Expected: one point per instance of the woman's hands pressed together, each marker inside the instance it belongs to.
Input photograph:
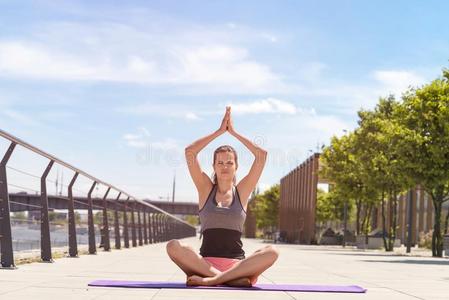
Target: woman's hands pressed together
(230, 126)
(226, 123)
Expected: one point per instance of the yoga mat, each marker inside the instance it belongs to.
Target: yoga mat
(257, 287)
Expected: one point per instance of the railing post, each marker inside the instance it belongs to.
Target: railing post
(155, 228)
(150, 227)
(7, 253)
(140, 227)
(145, 228)
(106, 241)
(174, 229)
(45, 224)
(73, 247)
(90, 221)
(167, 228)
(160, 228)
(164, 228)
(125, 220)
(161, 220)
(116, 223)
(133, 227)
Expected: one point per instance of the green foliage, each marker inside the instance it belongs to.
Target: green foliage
(426, 115)
(77, 217)
(19, 215)
(396, 146)
(265, 206)
(342, 166)
(379, 140)
(192, 220)
(330, 206)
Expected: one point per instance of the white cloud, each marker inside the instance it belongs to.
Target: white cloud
(20, 117)
(131, 137)
(268, 105)
(347, 97)
(166, 144)
(142, 139)
(270, 37)
(397, 81)
(137, 140)
(37, 61)
(167, 110)
(231, 25)
(263, 186)
(201, 59)
(191, 116)
(261, 106)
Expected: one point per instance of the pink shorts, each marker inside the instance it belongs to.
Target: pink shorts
(223, 264)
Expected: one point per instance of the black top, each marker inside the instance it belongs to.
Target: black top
(221, 242)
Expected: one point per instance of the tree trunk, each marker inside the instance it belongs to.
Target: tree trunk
(446, 223)
(390, 210)
(367, 223)
(358, 205)
(395, 218)
(437, 239)
(384, 225)
(364, 223)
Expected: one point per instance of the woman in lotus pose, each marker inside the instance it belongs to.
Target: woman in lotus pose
(222, 211)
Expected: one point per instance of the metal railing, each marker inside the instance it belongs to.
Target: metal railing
(157, 225)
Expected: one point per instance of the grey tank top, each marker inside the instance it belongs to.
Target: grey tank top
(213, 216)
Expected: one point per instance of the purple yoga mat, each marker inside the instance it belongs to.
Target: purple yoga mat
(257, 287)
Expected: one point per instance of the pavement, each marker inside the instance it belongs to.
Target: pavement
(385, 275)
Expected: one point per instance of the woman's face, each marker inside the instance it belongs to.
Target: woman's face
(225, 166)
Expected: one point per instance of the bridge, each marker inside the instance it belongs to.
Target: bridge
(31, 202)
(176, 208)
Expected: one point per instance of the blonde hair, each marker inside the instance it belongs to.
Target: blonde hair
(224, 148)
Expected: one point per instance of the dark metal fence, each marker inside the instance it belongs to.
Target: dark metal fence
(147, 223)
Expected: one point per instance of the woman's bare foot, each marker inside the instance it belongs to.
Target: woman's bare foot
(239, 282)
(196, 280)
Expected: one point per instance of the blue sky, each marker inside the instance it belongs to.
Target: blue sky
(120, 88)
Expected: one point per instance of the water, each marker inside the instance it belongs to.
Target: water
(26, 236)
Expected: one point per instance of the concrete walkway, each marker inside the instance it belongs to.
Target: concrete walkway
(385, 276)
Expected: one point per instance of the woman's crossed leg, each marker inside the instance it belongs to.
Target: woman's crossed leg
(250, 268)
(194, 264)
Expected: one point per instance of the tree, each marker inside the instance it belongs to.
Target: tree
(330, 205)
(340, 166)
(19, 215)
(266, 208)
(379, 140)
(425, 113)
(324, 207)
(77, 217)
(192, 220)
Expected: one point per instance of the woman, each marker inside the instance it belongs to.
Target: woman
(222, 210)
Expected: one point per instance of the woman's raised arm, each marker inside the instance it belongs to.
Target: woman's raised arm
(248, 183)
(201, 179)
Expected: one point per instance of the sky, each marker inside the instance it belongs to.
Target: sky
(120, 88)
